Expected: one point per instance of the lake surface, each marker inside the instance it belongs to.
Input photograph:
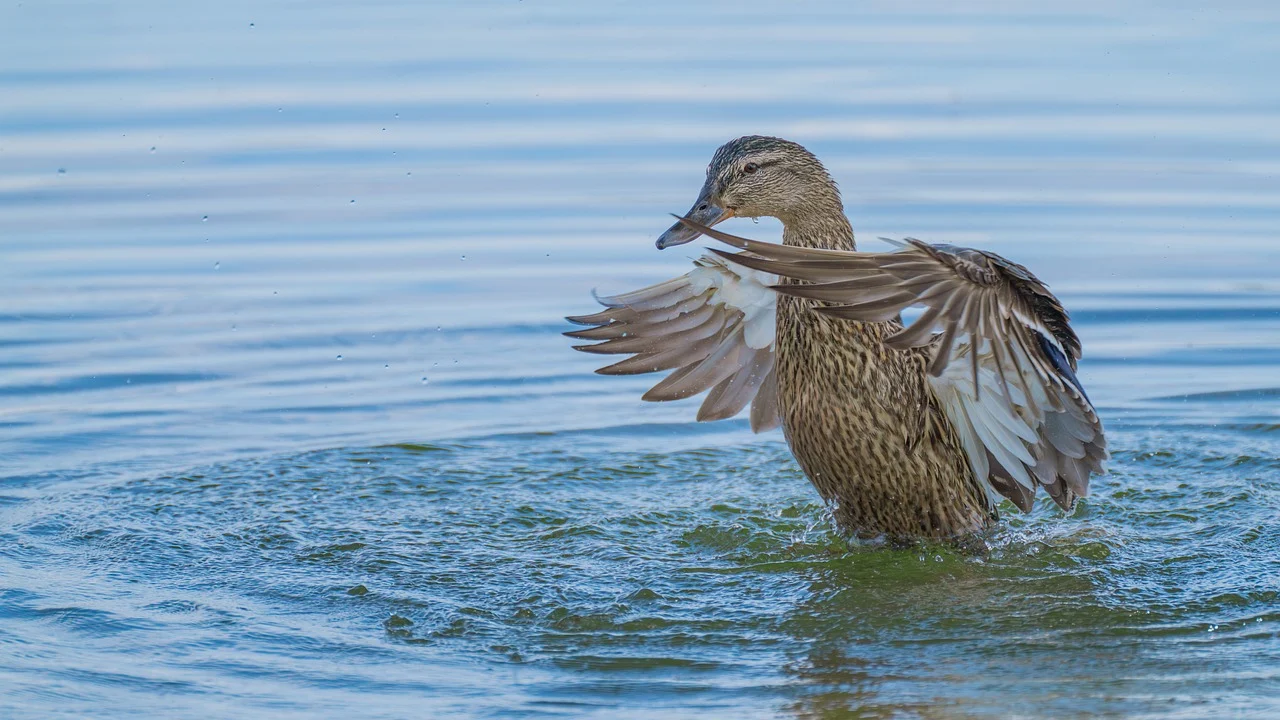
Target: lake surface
(288, 427)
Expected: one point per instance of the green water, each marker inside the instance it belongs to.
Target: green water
(556, 575)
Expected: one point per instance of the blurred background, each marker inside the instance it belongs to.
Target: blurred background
(235, 235)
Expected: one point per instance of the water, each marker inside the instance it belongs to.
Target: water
(289, 429)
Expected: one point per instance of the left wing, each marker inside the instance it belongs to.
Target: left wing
(713, 326)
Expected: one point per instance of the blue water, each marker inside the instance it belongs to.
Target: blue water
(287, 427)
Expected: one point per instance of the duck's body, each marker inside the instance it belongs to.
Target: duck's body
(862, 420)
(867, 431)
(886, 421)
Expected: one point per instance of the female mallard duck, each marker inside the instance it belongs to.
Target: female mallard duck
(910, 432)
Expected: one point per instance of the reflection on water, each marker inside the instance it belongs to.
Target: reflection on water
(247, 247)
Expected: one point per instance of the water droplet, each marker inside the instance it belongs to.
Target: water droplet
(397, 114)
(353, 202)
(384, 367)
(464, 257)
(339, 357)
(437, 328)
(280, 109)
(62, 171)
(251, 25)
(153, 150)
(204, 218)
(424, 380)
(233, 328)
(408, 173)
(275, 292)
(217, 265)
(755, 220)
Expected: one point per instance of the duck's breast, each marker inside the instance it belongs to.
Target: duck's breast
(866, 428)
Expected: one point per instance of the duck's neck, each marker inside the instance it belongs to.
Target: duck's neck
(822, 226)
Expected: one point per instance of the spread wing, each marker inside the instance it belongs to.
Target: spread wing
(1003, 353)
(713, 326)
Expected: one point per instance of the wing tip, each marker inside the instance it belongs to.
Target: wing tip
(597, 349)
(596, 318)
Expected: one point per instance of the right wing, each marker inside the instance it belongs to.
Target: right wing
(1003, 353)
(714, 326)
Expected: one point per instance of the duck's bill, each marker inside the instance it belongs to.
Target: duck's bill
(703, 212)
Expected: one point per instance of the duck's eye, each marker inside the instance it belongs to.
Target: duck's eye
(750, 168)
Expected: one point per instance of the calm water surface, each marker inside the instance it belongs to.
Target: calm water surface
(288, 428)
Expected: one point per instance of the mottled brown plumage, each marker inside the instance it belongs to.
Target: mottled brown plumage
(867, 431)
(910, 432)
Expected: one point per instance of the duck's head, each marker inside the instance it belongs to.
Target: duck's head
(758, 176)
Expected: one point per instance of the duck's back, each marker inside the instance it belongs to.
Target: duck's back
(866, 428)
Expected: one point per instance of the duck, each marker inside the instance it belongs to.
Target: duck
(908, 431)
